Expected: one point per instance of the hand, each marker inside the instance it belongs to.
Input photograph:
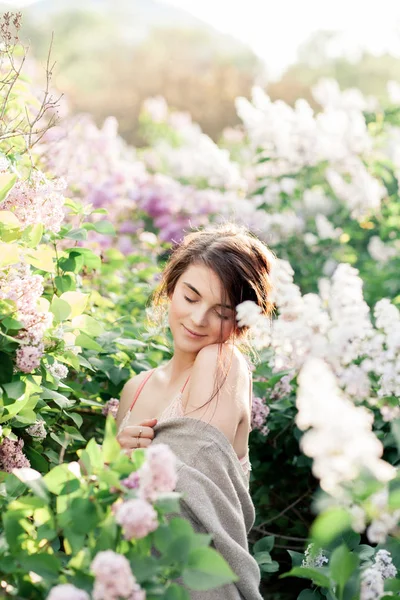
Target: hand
(137, 436)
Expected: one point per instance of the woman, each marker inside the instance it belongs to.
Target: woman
(200, 401)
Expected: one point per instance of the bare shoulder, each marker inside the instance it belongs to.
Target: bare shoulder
(224, 407)
(128, 393)
(209, 357)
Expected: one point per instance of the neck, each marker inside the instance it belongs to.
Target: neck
(180, 364)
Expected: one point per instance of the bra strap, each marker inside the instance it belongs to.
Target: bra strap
(141, 386)
(185, 384)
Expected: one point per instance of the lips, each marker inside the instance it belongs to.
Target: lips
(193, 333)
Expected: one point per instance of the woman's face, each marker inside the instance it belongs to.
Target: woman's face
(197, 317)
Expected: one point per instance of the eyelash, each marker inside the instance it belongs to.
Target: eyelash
(220, 316)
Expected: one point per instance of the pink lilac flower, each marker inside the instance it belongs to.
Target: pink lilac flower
(158, 474)
(111, 407)
(25, 289)
(67, 591)
(11, 455)
(138, 593)
(28, 358)
(259, 414)
(132, 481)
(113, 576)
(137, 518)
(37, 200)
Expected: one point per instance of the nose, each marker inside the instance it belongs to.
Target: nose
(199, 317)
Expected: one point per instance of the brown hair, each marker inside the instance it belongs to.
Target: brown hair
(240, 260)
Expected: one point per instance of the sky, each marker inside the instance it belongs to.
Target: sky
(274, 30)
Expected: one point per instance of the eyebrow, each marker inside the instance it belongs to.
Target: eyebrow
(198, 293)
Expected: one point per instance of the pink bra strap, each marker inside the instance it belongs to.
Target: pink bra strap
(185, 384)
(141, 386)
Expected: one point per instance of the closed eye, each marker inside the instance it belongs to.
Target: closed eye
(189, 300)
(223, 317)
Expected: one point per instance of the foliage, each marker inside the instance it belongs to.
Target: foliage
(323, 191)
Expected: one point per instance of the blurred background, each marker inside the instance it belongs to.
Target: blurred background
(201, 54)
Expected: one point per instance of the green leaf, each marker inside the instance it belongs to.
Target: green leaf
(58, 477)
(85, 257)
(168, 504)
(44, 565)
(59, 399)
(76, 417)
(85, 341)
(42, 257)
(176, 592)
(111, 447)
(271, 567)
(34, 481)
(88, 325)
(10, 323)
(316, 575)
(60, 309)
(86, 517)
(263, 558)
(77, 234)
(6, 368)
(309, 595)
(92, 457)
(7, 181)
(104, 227)
(32, 235)
(206, 569)
(395, 430)
(64, 283)
(342, 564)
(297, 558)
(329, 524)
(265, 544)
(15, 389)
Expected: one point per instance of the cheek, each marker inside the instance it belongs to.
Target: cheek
(176, 308)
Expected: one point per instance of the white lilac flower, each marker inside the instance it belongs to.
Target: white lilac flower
(339, 435)
(325, 229)
(37, 430)
(384, 564)
(371, 584)
(58, 370)
(380, 251)
(248, 314)
(362, 195)
(383, 520)
(313, 558)
(393, 89)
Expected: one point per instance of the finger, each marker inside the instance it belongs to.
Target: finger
(149, 422)
(134, 431)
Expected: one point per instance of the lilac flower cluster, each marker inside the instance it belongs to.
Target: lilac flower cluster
(25, 290)
(114, 579)
(158, 474)
(66, 591)
(37, 430)
(111, 407)
(11, 455)
(38, 201)
(259, 414)
(137, 518)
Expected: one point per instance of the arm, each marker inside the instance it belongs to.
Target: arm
(127, 395)
(128, 437)
(226, 410)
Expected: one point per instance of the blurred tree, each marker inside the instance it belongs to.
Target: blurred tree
(369, 73)
(107, 65)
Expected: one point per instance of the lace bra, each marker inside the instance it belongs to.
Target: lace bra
(174, 409)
